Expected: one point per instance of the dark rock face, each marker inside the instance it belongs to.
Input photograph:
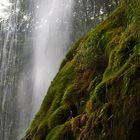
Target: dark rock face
(96, 93)
(134, 133)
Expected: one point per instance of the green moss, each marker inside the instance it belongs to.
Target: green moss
(72, 52)
(129, 75)
(62, 132)
(59, 116)
(96, 93)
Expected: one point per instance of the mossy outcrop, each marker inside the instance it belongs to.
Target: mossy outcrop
(96, 93)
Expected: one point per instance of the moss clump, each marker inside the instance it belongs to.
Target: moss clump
(59, 116)
(61, 132)
(96, 93)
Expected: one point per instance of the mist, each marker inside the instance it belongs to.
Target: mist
(50, 41)
(52, 33)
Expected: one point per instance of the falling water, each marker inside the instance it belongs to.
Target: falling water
(8, 62)
(29, 57)
(50, 44)
(50, 41)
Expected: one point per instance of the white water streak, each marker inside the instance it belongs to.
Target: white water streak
(50, 44)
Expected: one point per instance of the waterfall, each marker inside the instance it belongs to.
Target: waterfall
(8, 62)
(50, 42)
(53, 23)
(29, 58)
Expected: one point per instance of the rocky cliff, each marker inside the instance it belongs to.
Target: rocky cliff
(96, 93)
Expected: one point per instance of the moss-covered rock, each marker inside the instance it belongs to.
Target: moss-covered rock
(96, 93)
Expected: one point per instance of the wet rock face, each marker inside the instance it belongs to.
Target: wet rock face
(95, 95)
